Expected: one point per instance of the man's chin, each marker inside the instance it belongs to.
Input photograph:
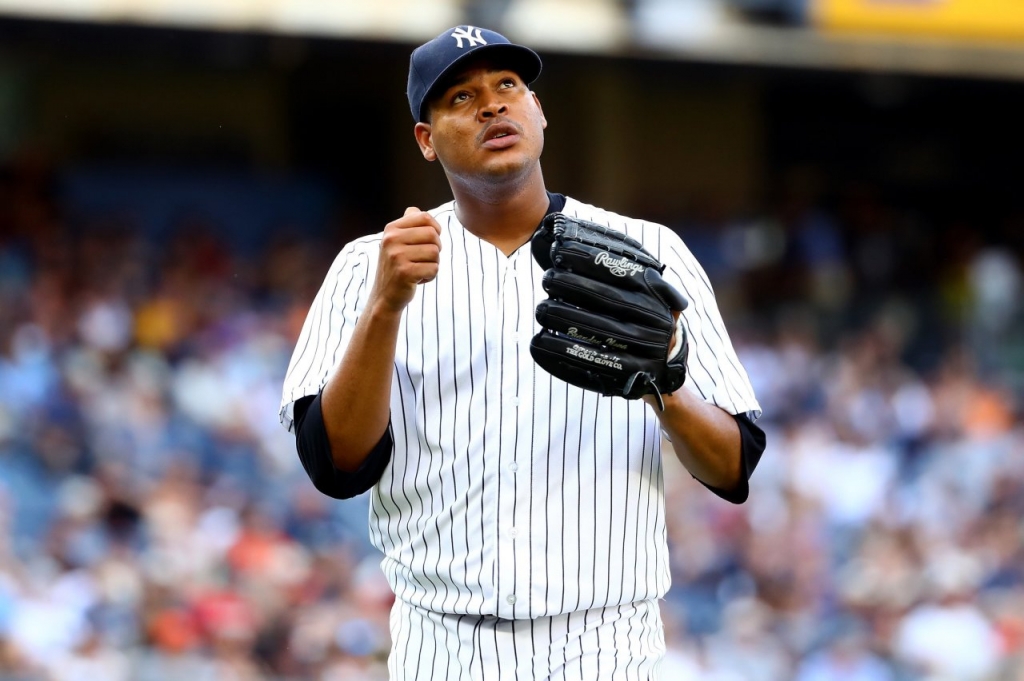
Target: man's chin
(508, 167)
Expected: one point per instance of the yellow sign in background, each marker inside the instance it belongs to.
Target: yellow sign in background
(985, 20)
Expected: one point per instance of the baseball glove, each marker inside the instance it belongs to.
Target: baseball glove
(610, 318)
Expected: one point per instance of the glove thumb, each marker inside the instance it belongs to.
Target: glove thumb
(675, 300)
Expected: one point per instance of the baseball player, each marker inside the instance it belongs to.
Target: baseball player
(498, 372)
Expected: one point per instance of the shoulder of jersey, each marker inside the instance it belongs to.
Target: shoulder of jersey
(370, 243)
(443, 209)
(644, 231)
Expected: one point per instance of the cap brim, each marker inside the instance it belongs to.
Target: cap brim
(522, 60)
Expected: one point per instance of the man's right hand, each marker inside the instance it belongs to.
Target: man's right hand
(356, 400)
(410, 251)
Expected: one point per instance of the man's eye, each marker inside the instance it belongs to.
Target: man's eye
(508, 82)
(460, 97)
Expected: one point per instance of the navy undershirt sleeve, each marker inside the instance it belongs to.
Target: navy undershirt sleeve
(315, 454)
(752, 444)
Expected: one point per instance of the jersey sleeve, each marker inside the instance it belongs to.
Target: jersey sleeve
(329, 325)
(713, 369)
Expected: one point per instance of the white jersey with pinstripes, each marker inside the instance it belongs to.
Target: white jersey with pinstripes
(511, 493)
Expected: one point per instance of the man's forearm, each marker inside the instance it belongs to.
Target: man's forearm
(357, 398)
(704, 437)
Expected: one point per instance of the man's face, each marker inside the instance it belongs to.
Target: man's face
(485, 124)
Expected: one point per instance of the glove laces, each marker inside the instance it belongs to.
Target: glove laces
(648, 382)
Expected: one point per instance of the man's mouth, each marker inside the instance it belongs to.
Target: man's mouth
(500, 136)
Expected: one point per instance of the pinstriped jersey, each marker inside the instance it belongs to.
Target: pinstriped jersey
(509, 492)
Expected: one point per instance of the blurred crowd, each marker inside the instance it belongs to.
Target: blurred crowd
(156, 523)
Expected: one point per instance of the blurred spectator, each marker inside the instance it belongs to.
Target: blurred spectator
(845, 657)
(948, 636)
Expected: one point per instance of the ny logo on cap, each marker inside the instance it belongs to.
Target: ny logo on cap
(470, 33)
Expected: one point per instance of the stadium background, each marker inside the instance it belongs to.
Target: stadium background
(175, 179)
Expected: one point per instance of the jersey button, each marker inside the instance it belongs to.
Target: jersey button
(513, 533)
(514, 401)
(513, 466)
(511, 599)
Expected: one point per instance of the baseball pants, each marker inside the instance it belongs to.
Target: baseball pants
(620, 643)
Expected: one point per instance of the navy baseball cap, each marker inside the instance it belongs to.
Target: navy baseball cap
(432, 61)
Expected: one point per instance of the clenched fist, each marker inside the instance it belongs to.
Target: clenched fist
(410, 251)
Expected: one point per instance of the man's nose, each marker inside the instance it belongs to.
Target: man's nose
(493, 107)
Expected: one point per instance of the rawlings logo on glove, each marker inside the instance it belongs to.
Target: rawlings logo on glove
(620, 267)
(610, 318)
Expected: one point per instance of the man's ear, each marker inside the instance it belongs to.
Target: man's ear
(536, 100)
(422, 133)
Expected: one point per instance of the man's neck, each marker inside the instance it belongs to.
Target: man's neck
(506, 218)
